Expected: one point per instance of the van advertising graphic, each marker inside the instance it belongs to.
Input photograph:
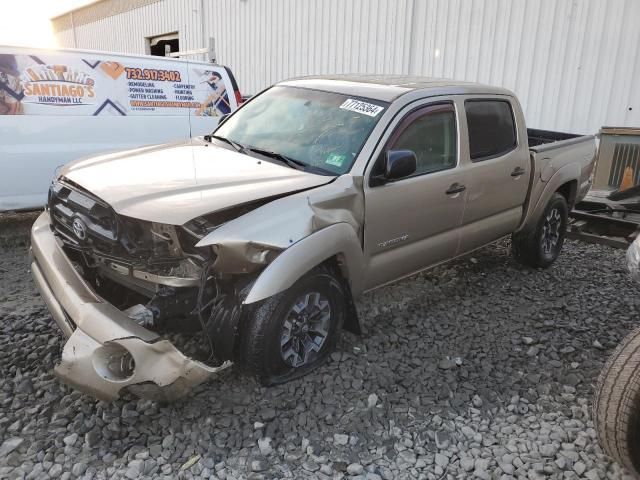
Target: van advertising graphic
(216, 99)
(11, 93)
(63, 83)
(57, 85)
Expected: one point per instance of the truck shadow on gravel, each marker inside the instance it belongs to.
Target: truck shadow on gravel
(479, 335)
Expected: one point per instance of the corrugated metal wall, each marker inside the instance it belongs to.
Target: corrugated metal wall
(575, 64)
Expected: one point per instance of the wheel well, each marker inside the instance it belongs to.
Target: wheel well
(352, 321)
(568, 191)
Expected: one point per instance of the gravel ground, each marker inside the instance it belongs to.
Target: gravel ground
(480, 368)
(14, 228)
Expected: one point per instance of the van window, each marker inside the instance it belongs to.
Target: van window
(492, 130)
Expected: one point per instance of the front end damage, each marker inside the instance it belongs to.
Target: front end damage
(106, 350)
(131, 301)
(135, 297)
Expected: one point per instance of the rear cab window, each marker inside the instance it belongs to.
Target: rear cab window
(491, 126)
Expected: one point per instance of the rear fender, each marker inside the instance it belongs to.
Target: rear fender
(562, 176)
(338, 240)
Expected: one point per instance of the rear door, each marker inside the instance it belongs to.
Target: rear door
(497, 169)
(412, 223)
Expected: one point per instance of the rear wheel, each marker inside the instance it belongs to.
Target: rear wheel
(616, 406)
(293, 332)
(540, 247)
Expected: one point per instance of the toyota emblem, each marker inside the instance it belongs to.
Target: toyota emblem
(79, 229)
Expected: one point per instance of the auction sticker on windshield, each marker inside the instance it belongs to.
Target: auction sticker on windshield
(358, 106)
(335, 159)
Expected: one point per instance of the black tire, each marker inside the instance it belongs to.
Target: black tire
(536, 248)
(616, 406)
(267, 324)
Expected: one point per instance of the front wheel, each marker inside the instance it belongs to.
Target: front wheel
(616, 406)
(540, 247)
(293, 332)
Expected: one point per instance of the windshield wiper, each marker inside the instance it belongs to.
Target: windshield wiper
(292, 162)
(236, 145)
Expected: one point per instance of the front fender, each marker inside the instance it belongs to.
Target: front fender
(335, 240)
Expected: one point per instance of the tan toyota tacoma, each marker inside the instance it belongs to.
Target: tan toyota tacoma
(164, 265)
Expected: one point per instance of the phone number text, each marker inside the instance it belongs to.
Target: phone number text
(152, 74)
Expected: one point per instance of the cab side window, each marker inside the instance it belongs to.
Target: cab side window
(431, 134)
(492, 129)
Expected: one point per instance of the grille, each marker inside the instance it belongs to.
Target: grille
(624, 155)
(82, 219)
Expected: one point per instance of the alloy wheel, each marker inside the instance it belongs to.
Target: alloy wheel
(305, 329)
(551, 231)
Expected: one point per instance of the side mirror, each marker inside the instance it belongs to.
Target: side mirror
(399, 164)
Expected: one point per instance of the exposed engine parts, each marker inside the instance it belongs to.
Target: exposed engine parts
(149, 270)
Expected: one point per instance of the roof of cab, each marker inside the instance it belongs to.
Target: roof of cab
(387, 88)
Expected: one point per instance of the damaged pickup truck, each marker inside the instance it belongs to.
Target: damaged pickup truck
(165, 265)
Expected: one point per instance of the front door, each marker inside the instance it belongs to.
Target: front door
(412, 223)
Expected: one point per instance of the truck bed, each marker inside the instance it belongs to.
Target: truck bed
(542, 140)
(552, 152)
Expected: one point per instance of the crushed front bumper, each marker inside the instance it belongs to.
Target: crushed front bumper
(98, 334)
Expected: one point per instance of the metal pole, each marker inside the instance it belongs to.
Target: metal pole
(73, 29)
(202, 39)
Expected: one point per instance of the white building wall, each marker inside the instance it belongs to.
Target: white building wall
(574, 64)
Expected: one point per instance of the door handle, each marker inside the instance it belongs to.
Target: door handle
(518, 171)
(455, 188)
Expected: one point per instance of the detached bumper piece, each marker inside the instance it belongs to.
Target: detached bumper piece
(609, 217)
(106, 351)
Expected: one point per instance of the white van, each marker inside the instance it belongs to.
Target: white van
(60, 105)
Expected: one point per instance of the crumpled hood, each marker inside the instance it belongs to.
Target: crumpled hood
(175, 183)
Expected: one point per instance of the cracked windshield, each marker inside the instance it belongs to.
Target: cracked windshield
(320, 131)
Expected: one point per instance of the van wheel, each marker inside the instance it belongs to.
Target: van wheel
(616, 406)
(540, 247)
(291, 333)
